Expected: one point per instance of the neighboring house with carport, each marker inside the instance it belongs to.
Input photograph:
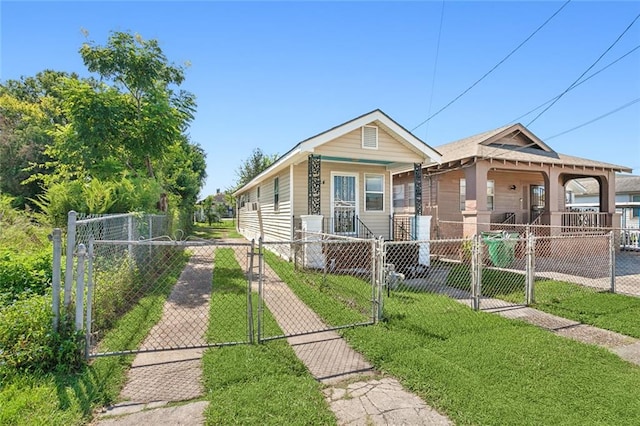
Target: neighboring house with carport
(506, 176)
(339, 181)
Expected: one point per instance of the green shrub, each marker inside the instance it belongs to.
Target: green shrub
(23, 274)
(28, 343)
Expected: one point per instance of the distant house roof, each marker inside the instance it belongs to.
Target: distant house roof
(307, 146)
(513, 143)
(625, 184)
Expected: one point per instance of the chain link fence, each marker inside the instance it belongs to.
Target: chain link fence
(178, 294)
(318, 283)
(498, 270)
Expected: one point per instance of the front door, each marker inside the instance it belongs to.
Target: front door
(344, 196)
(536, 201)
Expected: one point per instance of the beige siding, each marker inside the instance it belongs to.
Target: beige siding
(266, 221)
(300, 182)
(350, 146)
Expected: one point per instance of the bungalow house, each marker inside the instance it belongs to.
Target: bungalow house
(506, 176)
(339, 181)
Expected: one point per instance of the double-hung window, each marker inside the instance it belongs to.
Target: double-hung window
(374, 192)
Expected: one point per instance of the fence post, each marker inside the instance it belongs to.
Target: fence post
(89, 310)
(475, 272)
(612, 261)
(382, 256)
(56, 279)
(260, 287)
(71, 246)
(130, 235)
(249, 301)
(82, 253)
(530, 269)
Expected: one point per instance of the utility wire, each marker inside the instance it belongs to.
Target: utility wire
(586, 71)
(577, 84)
(495, 66)
(435, 68)
(628, 104)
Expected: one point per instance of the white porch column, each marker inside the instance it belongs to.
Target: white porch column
(312, 252)
(423, 233)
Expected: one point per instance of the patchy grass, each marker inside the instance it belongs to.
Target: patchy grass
(253, 384)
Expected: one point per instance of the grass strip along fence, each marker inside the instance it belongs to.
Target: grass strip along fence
(480, 368)
(63, 398)
(253, 384)
(602, 309)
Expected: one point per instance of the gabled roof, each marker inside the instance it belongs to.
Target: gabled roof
(307, 146)
(513, 143)
(625, 184)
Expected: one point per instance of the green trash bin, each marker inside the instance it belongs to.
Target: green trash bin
(502, 246)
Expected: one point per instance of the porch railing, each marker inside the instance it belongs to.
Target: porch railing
(572, 221)
(337, 226)
(401, 228)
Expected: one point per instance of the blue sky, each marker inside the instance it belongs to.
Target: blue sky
(270, 74)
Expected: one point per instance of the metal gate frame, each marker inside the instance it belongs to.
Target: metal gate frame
(86, 303)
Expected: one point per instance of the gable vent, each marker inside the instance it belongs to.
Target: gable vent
(370, 137)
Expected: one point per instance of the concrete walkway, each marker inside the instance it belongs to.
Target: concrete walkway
(356, 393)
(158, 379)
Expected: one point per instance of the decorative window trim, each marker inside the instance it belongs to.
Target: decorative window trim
(370, 140)
(367, 191)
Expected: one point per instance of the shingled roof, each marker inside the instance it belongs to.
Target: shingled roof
(625, 184)
(512, 143)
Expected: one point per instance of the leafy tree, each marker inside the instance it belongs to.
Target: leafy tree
(252, 167)
(29, 108)
(153, 114)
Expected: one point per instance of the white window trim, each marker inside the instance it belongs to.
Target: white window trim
(362, 137)
(374, 192)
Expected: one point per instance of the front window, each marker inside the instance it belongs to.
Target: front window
(636, 210)
(491, 185)
(276, 194)
(374, 193)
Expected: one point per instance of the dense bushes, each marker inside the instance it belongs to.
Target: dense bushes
(27, 340)
(23, 275)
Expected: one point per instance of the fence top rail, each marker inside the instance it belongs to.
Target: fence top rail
(170, 242)
(104, 217)
(325, 236)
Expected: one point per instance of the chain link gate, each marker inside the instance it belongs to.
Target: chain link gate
(317, 284)
(155, 295)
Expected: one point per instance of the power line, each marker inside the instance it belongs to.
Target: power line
(586, 71)
(495, 66)
(435, 67)
(628, 104)
(578, 84)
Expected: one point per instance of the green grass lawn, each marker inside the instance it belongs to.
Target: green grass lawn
(223, 229)
(253, 384)
(480, 368)
(615, 312)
